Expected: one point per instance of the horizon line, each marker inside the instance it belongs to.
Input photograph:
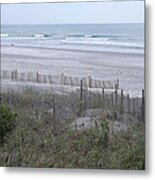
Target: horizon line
(73, 23)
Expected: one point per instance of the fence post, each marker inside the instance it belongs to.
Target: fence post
(103, 98)
(16, 75)
(122, 102)
(45, 79)
(128, 103)
(54, 111)
(65, 77)
(12, 75)
(37, 77)
(81, 90)
(62, 78)
(81, 96)
(116, 96)
(89, 81)
(143, 105)
(85, 99)
(50, 79)
(134, 110)
(117, 83)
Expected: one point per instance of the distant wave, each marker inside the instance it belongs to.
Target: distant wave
(101, 42)
(38, 35)
(4, 35)
(41, 35)
(105, 40)
(66, 35)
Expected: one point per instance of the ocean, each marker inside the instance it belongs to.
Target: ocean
(126, 38)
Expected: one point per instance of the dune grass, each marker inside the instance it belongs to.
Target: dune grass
(38, 140)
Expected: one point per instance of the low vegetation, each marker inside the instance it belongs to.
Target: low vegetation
(35, 136)
(7, 123)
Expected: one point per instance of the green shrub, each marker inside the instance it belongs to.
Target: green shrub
(7, 122)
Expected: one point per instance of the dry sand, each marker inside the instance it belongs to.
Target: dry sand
(129, 68)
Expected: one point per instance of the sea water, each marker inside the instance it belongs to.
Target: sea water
(99, 37)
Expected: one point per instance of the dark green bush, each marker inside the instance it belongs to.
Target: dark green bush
(7, 122)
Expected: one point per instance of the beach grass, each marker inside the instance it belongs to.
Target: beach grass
(39, 139)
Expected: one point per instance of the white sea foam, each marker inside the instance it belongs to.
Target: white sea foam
(3, 35)
(39, 35)
(100, 41)
(128, 38)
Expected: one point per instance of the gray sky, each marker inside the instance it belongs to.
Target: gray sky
(69, 13)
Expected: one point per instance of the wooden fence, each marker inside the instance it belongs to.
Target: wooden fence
(117, 101)
(62, 79)
(84, 101)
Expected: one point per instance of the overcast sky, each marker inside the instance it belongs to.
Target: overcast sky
(69, 13)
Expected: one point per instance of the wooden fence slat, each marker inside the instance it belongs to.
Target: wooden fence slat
(134, 106)
(62, 78)
(128, 103)
(59, 79)
(103, 98)
(122, 102)
(12, 75)
(81, 96)
(16, 74)
(117, 83)
(37, 77)
(90, 82)
(143, 105)
(116, 96)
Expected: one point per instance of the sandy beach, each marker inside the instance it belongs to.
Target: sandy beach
(72, 83)
(128, 67)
